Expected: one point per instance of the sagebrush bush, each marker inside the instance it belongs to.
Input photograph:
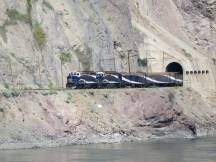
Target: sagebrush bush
(15, 16)
(11, 93)
(65, 57)
(142, 62)
(39, 35)
(48, 5)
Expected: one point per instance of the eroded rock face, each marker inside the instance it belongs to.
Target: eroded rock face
(94, 116)
(97, 34)
(85, 29)
(199, 25)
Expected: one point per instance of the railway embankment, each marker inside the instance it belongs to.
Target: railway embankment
(32, 119)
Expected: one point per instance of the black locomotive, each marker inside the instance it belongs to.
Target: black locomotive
(88, 80)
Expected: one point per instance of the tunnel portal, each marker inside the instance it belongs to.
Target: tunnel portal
(174, 67)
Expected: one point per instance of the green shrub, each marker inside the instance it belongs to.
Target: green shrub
(49, 93)
(65, 57)
(51, 86)
(15, 16)
(3, 32)
(1, 110)
(91, 93)
(29, 3)
(48, 5)
(39, 35)
(6, 85)
(69, 98)
(171, 97)
(29, 11)
(186, 53)
(122, 56)
(109, 19)
(11, 93)
(142, 62)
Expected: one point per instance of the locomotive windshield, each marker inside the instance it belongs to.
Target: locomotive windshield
(75, 74)
(100, 74)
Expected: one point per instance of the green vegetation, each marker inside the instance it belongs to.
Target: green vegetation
(69, 98)
(52, 89)
(6, 85)
(91, 93)
(142, 62)
(122, 56)
(106, 96)
(109, 19)
(10, 92)
(29, 3)
(29, 11)
(51, 86)
(15, 16)
(186, 53)
(3, 32)
(49, 93)
(214, 61)
(171, 96)
(39, 35)
(26, 63)
(48, 5)
(65, 57)
(1, 110)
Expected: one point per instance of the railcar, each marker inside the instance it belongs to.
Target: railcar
(109, 79)
(81, 80)
(163, 79)
(95, 80)
(134, 80)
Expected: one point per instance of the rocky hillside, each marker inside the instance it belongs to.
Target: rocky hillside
(42, 40)
(41, 119)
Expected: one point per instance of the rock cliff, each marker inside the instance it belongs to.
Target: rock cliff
(49, 118)
(42, 40)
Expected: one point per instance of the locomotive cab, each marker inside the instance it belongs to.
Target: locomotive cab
(72, 79)
(100, 76)
(76, 74)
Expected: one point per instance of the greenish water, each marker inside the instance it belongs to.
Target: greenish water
(197, 150)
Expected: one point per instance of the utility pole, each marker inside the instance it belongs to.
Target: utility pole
(39, 69)
(11, 70)
(79, 65)
(129, 56)
(62, 79)
(163, 60)
(129, 68)
(114, 62)
(147, 59)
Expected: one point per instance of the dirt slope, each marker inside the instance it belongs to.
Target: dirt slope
(77, 117)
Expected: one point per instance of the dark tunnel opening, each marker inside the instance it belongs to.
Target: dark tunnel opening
(174, 67)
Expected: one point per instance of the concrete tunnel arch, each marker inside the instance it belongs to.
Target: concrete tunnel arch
(175, 67)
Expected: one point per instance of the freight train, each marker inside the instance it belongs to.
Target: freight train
(94, 80)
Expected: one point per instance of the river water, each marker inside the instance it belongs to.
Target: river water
(196, 150)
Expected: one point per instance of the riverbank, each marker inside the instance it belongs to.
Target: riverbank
(176, 150)
(49, 118)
